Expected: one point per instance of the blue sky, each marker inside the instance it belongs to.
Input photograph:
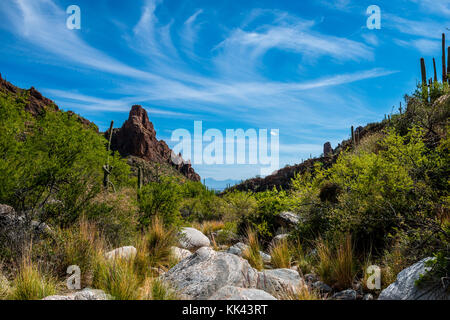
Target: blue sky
(308, 68)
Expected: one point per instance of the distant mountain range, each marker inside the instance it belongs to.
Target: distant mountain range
(219, 185)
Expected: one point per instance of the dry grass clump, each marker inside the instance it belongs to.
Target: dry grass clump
(208, 227)
(4, 286)
(155, 289)
(118, 278)
(154, 247)
(30, 283)
(303, 292)
(281, 254)
(252, 252)
(336, 265)
(83, 246)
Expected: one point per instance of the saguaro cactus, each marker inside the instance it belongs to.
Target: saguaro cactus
(448, 65)
(140, 178)
(435, 72)
(444, 70)
(107, 168)
(423, 71)
(353, 135)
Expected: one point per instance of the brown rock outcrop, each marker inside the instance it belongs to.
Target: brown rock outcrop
(137, 137)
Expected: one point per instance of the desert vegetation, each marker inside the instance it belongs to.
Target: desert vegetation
(383, 201)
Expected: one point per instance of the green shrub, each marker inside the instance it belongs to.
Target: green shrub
(160, 199)
(115, 215)
(51, 164)
(262, 219)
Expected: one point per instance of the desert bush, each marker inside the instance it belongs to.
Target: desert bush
(115, 215)
(262, 219)
(237, 204)
(160, 199)
(199, 203)
(51, 165)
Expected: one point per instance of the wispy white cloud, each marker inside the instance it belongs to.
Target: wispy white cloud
(42, 23)
(439, 7)
(424, 46)
(421, 28)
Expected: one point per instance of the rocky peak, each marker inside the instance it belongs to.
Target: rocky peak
(137, 137)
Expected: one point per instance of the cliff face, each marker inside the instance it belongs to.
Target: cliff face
(137, 137)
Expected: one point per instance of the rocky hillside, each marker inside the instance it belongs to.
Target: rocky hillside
(36, 103)
(135, 140)
(282, 178)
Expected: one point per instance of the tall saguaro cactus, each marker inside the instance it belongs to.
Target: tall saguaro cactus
(423, 71)
(353, 136)
(140, 178)
(444, 70)
(107, 168)
(448, 65)
(435, 71)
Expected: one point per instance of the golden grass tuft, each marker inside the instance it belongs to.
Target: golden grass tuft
(302, 292)
(118, 278)
(208, 227)
(154, 248)
(30, 283)
(336, 265)
(252, 252)
(83, 246)
(4, 286)
(281, 254)
(155, 289)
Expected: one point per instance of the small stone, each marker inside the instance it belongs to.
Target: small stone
(348, 294)
(322, 287)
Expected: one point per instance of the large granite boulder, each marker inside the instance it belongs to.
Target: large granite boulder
(206, 271)
(405, 288)
(236, 293)
(280, 282)
(192, 239)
